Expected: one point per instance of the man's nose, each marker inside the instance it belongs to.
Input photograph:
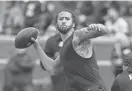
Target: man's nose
(63, 23)
(64, 20)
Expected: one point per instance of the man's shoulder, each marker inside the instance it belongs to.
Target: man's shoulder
(122, 76)
(80, 33)
(119, 76)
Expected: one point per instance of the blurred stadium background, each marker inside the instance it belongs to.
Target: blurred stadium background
(14, 16)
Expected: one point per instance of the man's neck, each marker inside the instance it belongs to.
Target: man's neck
(66, 36)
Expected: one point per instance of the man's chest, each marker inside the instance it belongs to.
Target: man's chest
(84, 49)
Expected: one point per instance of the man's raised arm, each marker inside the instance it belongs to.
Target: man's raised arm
(92, 31)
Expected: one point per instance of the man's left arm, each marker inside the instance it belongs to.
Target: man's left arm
(92, 31)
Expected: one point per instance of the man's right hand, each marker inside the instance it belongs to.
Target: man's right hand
(36, 43)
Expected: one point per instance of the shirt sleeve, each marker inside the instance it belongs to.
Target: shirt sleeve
(115, 86)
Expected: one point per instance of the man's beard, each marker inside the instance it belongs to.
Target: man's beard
(63, 29)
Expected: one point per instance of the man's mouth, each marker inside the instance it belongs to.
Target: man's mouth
(63, 25)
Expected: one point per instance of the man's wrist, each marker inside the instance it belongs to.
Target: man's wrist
(103, 28)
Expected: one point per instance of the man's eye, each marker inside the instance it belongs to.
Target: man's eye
(67, 18)
(60, 18)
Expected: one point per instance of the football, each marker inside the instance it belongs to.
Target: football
(23, 38)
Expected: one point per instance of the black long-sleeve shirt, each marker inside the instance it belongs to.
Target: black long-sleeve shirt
(123, 81)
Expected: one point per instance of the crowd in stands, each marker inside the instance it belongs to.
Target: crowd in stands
(20, 14)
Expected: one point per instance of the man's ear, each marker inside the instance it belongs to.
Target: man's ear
(56, 25)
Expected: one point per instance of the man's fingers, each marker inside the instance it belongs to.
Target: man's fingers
(32, 39)
(93, 26)
(90, 27)
(98, 27)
